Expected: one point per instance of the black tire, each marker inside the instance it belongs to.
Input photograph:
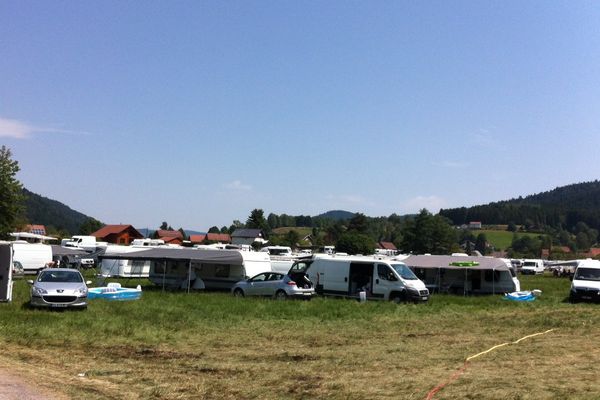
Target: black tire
(238, 293)
(398, 297)
(280, 295)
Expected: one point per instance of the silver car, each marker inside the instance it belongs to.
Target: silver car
(274, 284)
(60, 288)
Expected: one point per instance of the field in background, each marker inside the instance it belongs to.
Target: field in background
(209, 345)
(501, 240)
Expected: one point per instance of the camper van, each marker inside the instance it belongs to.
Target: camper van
(532, 267)
(348, 276)
(87, 243)
(33, 257)
(586, 281)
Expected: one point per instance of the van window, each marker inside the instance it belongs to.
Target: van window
(404, 272)
(587, 274)
(384, 272)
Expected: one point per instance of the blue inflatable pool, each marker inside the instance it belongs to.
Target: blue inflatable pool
(520, 296)
(114, 292)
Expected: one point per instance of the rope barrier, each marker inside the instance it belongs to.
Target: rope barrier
(462, 369)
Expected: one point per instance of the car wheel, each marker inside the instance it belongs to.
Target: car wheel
(238, 293)
(398, 298)
(280, 295)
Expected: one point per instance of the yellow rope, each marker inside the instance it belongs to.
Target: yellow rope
(507, 343)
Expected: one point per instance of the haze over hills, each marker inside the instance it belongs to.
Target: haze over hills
(561, 207)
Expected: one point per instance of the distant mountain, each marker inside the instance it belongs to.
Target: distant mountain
(44, 211)
(561, 207)
(337, 215)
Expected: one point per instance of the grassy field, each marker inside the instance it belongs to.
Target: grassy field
(210, 345)
(501, 240)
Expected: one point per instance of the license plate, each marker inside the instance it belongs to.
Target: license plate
(58, 305)
(425, 297)
(586, 297)
(307, 294)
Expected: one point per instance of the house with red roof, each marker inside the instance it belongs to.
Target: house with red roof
(36, 229)
(117, 234)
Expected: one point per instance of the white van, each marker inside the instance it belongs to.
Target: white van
(347, 276)
(33, 257)
(586, 281)
(532, 267)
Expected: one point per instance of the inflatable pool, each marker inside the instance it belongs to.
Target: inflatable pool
(520, 296)
(114, 291)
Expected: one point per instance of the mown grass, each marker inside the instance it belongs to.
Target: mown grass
(501, 240)
(210, 345)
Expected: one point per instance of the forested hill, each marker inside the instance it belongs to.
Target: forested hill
(52, 213)
(562, 207)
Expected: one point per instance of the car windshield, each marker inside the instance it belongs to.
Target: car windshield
(587, 274)
(404, 272)
(60, 276)
(530, 264)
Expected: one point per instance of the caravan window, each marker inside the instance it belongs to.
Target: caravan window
(222, 271)
(491, 275)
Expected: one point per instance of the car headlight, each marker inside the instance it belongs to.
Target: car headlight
(38, 291)
(81, 291)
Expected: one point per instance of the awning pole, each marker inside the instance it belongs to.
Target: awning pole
(493, 280)
(465, 285)
(189, 274)
(164, 264)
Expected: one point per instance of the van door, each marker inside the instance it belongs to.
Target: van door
(6, 266)
(385, 281)
(360, 278)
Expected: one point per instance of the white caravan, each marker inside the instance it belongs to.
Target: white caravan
(348, 276)
(199, 268)
(464, 275)
(125, 268)
(33, 257)
(586, 281)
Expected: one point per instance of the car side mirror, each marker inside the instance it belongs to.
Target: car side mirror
(30, 282)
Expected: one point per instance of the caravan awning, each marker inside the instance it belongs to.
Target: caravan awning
(175, 254)
(456, 262)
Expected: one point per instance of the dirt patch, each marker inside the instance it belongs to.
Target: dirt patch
(13, 387)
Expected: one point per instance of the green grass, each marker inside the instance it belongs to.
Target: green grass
(175, 345)
(501, 240)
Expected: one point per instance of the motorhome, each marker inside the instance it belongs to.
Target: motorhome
(349, 276)
(586, 281)
(199, 268)
(464, 275)
(33, 257)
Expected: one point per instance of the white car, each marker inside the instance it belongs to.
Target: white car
(59, 288)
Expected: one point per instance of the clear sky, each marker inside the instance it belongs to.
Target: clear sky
(196, 112)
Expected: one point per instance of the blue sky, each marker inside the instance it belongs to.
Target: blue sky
(196, 112)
